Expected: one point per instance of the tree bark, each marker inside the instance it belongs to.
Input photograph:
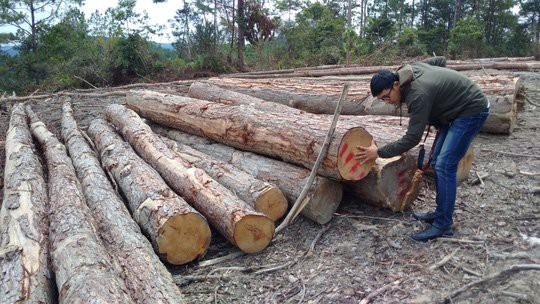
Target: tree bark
(25, 274)
(294, 138)
(389, 183)
(146, 277)
(293, 94)
(178, 232)
(251, 231)
(269, 100)
(260, 195)
(503, 115)
(324, 195)
(80, 261)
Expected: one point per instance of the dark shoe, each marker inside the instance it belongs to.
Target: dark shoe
(431, 233)
(428, 217)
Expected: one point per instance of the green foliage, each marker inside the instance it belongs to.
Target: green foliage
(132, 59)
(467, 38)
(408, 43)
(380, 30)
(317, 37)
(434, 39)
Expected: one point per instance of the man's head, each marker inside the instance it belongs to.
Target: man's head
(385, 85)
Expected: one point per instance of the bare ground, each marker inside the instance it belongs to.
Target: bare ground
(366, 254)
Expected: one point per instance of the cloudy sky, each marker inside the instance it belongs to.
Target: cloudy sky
(159, 13)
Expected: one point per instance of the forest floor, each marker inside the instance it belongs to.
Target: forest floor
(366, 253)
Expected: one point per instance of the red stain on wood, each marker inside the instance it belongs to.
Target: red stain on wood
(343, 150)
(361, 175)
(349, 157)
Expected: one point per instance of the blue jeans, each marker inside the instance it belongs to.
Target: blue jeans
(450, 146)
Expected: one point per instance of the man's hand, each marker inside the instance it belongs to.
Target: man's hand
(365, 154)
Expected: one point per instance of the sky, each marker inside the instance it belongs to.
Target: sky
(159, 13)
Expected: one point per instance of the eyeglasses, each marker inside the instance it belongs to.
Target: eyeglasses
(386, 96)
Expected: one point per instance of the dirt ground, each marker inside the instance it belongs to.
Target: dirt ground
(365, 254)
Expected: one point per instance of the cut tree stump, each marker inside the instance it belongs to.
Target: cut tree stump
(293, 138)
(324, 195)
(251, 231)
(178, 232)
(262, 196)
(146, 277)
(25, 273)
(81, 263)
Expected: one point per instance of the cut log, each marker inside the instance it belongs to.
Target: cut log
(267, 100)
(360, 70)
(25, 274)
(251, 231)
(339, 66)
(80, 261)
(324, 195)
(320, 100)
(389, 183)
(146, 277)
(262, 196)
(178, 232)
(503, 115)
(293, 138)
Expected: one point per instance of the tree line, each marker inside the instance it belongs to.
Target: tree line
(61, 48)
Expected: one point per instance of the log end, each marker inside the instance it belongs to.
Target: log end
(184, 238)
(349, 168)
(324, 201)
(253, 233)
(465, 165)
(272, 203)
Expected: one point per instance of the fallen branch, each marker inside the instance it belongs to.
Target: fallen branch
(301, 202)
(511, 153)
(507, 271)
(452, 240)
(377, 292)
(443, 261)
(85, 81)
(224, 258)
(316, 239)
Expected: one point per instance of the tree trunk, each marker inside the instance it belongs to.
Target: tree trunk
(293, 138)
(146, 277)
(25, 274)
(251, 231)
(389, 185)
(260, 195)
(80, 261)
(324, 195)
(178, 232)
(241, 21)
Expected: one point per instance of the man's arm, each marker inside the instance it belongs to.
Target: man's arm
(436, 61)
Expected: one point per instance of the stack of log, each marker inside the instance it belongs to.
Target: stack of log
(232, 155)
(319, 96)
(501, 63)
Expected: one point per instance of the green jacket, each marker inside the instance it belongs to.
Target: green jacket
(434, 96)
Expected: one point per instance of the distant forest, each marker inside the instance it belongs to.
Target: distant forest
(59, 48)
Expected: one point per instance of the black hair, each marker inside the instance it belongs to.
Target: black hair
(384, 79)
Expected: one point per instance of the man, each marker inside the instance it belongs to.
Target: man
(439, 97)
